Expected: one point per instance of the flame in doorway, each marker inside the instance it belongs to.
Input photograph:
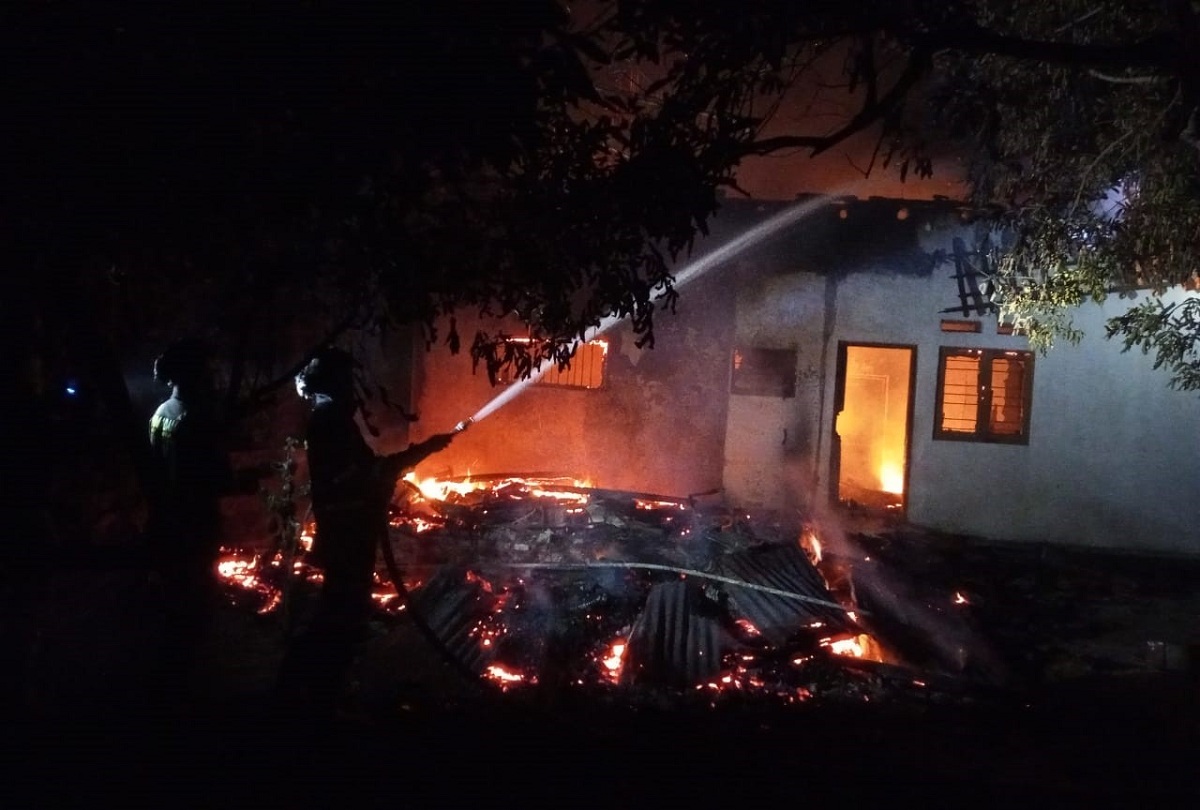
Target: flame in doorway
(891, 478)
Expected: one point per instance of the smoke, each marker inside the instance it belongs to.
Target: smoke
(921, 625)
(893, 601)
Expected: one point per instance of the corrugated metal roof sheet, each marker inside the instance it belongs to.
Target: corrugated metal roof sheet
(787, 568)
(452, 607)
(677, 640)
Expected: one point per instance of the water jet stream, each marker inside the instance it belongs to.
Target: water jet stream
(691, 270)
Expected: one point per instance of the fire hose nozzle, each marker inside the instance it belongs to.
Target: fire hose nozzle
(464, 424)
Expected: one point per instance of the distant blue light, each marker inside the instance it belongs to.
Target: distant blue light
(72, 390)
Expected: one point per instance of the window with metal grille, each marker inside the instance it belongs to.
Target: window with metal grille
(585, 370)
(984, 395)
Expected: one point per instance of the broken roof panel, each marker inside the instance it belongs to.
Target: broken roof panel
(779, 570)
(678, 640)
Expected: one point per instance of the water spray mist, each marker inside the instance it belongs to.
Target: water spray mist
(688, 272)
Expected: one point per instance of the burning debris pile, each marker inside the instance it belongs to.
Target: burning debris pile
(543, 581)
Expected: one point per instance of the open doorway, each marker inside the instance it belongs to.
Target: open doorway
(871, 430)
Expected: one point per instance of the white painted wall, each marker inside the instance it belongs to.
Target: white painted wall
(770, 442)
(1113, 458)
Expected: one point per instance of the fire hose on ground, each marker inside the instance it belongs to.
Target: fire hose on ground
(690, 572)
(423, 627)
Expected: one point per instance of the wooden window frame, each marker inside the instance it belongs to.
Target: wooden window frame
(983, 432)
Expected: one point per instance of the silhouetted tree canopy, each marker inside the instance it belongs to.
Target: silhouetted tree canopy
(274, 173)
(1078, 122)
(379, 164)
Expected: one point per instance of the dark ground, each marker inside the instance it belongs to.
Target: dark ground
(1101, 707)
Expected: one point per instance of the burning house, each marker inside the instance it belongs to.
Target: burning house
(849, 356)
(670, 518)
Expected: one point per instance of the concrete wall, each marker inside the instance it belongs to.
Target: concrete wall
(656, 425)
(1112, 459)
(771, 442)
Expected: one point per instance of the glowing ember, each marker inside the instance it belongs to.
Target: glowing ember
(272, 603)
(252, 573)
(488, 630)
(959, 599)
(614, 661)
(239, 572)
(413, 523)
(559, 495)
(506, 677)
(742, 678)
(643, 503)
(748, 628)
(306, 536)
(480, 581)
(384, 599)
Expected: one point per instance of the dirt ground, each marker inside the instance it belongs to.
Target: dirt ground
(1098, 705)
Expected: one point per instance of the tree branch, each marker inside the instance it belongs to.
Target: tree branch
(868, 114)
(1155, 51)
(1108, 77)
(1191, 133)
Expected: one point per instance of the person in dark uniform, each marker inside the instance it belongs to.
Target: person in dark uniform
(193, 472)
(350, 487)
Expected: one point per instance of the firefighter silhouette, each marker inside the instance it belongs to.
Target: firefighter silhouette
(350, 487)
(192, 473)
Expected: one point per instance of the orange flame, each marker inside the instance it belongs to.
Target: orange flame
(614, 661)
(436, 489)
(860, 646)
(811, 544)
(891, 477)
(848, 646)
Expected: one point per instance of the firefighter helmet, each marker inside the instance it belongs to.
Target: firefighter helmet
(330, 372)
(184, 362)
